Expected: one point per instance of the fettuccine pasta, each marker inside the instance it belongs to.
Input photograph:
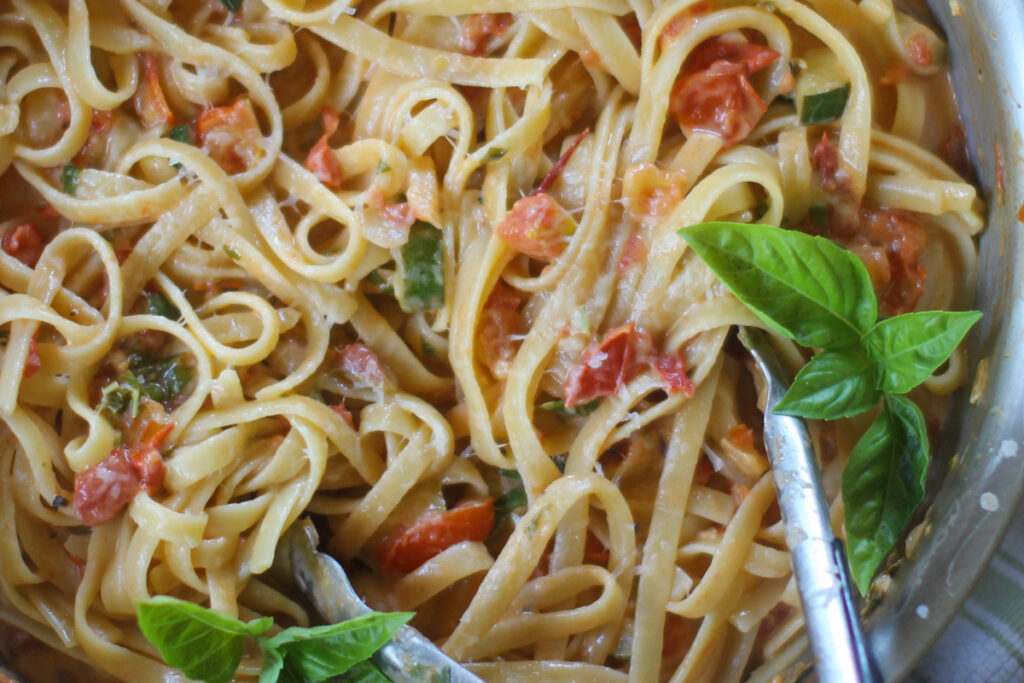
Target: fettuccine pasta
(411, 267)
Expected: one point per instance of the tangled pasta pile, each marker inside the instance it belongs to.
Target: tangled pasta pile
(411, 267)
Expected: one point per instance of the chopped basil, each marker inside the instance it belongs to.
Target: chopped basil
(232, 5)
(558, 407)
(161, 379)
(420, 279)
(824, 107)
(381, 282)
(507, 503)
(180, 134)
(494, 154)
(383, 168)
(69, 178)
(232, 254)
(819, 216)
(122, 396)
(158, 304)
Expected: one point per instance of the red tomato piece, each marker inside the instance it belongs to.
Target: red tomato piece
(671, 368)
(751, 56)
(741, 436)
(435, 532)
(342, 410)
(148, 464)
(500, 323)
(537, 226)
(32, 361)
(231, 135)
(25, 243)
(920, 52)
(480, 29)
(150, 102)
(603, 368)
(322, 160)
(360, 363)
(720, 101)
(102, 490)
(904, 241)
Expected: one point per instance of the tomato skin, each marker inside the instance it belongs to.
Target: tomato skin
(360, 363)
(671, 368)
(342, 409)
(435, 532)
(500, 322)
(321, 160)
(714, 94)
(920, 53)
(150, 103)
(231, 135)
(480, 29)
(102, 490)
(604, 367)
(537, 226)
(24, 242)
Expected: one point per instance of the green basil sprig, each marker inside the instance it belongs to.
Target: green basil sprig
(207, 646)
(820, 295)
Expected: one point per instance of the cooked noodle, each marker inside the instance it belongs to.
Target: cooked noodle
(236, 318)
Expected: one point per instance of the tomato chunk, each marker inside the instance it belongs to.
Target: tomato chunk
(322, 160)
(231, 135)
(435, 532)
(342, 409)
(537, 226)
(714, 94)
(102, 490)
(480, 29)
(603, 368)
(671, 368)
(362, 365)
(500, 325)
(150, 103)
(919, 51)
(25, 243)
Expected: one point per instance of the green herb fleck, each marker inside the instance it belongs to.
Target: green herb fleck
(158, 304)
(824, 107)
(117, 397)
(161, 379)
(494, 154)
(420, 279)
(69, 176)
(232, 254)
(558, 407)
(382, 167)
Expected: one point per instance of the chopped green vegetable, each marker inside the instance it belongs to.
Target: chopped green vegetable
(824, 107)
(181, 134)
(383, 168)
(207, 645)
(69, 176)
(820, 295)
(232, 5)
(232, 254)
(494, 154)
(507, 503)
(559, 408)
(117, 397)
(158, 304)
(420, 278)
(161, 379)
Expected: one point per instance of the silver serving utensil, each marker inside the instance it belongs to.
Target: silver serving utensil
(840, 649)
(408, 658)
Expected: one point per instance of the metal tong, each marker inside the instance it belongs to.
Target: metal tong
(408, 657)
(838, 644)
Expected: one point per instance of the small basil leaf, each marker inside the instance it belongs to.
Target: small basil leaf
(825, 106)
(833, 385)
(803, 287)
(420, 281)
(204, 644)
(158, 304)
(558, 407)
(69, 176)
(883, 483)
(910, 347)
(507, 503)
(320, 652)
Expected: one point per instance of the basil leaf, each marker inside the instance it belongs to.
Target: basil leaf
(161, 379)
(507, 503)
(803, 287)
(883, 483)
(420, 278)
(910, 347)
(181, 134)
(158, 304)
(232, 5)
(273, 665)
(320, 652)
(833, 385)
(204, 644)
(558, 407)
(825, 106)
(363, 672)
